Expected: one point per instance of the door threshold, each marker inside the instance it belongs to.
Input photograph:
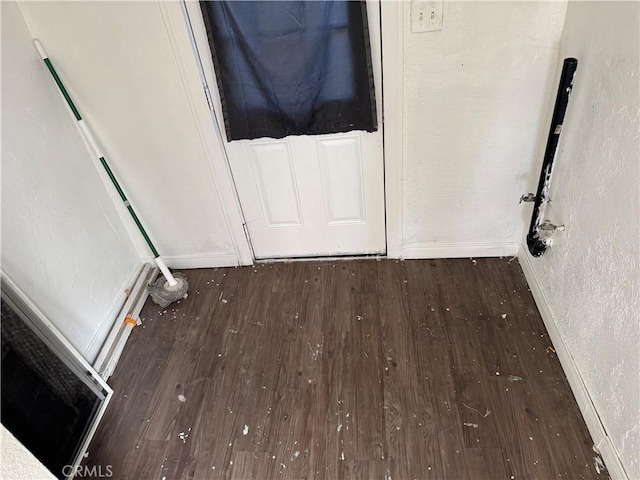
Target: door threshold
(319, 258)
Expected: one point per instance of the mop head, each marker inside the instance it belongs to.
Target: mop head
(163, 294)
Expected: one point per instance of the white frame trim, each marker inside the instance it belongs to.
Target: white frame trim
(601, 440)
(188, 66)
(392, 33)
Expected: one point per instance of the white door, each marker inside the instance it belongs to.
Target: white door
(308, 196)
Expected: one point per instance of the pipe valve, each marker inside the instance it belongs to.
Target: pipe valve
(550, 227)
(527, 197)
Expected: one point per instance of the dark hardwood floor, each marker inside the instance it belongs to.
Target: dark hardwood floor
(345, 369)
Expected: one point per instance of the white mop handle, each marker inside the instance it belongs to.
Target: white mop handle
(89, 138)
(40, 49)
(165, 271)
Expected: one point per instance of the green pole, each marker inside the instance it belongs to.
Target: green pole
(94, 145)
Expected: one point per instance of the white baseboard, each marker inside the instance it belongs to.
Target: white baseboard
(461, 250)
(93, 349)
(612, 460)
(108, 356)
(207, 260)
(598, 433)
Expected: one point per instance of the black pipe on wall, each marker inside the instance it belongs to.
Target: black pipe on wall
(537, 246)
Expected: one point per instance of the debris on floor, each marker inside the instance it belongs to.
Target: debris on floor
(257, 354)
(483, 415)
(597, 463)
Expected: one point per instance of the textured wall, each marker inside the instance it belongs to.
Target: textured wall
(63, 242)
(121, 69)
(474, 97)
(591, 276)
(18, 463)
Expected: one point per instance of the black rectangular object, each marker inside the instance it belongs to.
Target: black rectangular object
(48, 402)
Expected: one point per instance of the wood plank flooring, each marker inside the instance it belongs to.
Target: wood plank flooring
(359, 369)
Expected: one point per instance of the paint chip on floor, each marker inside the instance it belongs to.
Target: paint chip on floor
(182, 398)
(598, 464)
(245, 430)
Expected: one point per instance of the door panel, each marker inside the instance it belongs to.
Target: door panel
(342, 183)
(309, 195)
(275, 182)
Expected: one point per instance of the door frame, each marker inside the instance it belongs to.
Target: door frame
(190, 68)
(392, 14)
(199, 84)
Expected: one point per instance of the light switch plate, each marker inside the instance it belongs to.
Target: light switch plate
(426, 16)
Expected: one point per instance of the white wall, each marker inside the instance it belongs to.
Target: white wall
(63, 243)
(121, 68)
(475, 97)
(591, 276)
(18, 463)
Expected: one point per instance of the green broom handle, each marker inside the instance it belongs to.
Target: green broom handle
(94, 146)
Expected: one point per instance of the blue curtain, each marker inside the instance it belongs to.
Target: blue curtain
(292, 67)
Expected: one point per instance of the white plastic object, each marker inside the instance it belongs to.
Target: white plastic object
(40, 49)
(165, 271)
(89, 138)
